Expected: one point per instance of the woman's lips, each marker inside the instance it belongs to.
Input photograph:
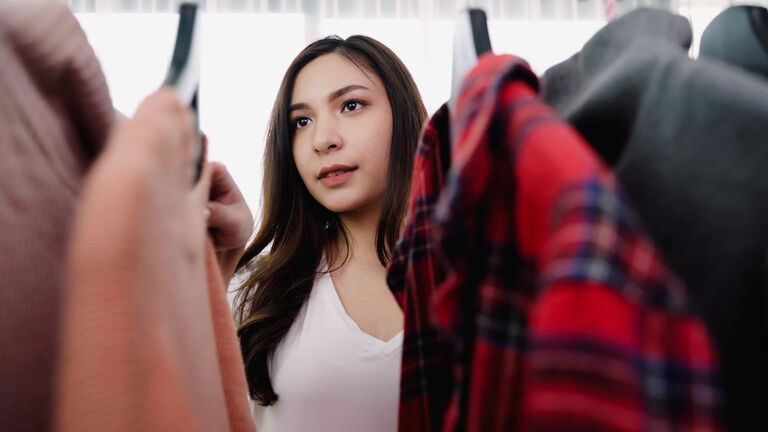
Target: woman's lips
(337, 177)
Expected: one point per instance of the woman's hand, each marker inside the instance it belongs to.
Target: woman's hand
(229, 220)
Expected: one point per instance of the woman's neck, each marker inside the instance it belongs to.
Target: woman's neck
(361, 229)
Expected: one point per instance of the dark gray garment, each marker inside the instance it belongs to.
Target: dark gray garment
(688, 141)
(739, 37)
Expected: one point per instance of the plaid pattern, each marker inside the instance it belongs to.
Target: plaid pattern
(563, 315)
(558, 310)
(612, 316)
(412, 275)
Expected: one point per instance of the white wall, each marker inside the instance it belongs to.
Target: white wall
(244, 56)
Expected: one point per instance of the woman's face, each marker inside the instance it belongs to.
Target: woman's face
(343, 130)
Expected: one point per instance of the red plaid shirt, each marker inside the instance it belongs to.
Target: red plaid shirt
(557, 308)
(426, 377)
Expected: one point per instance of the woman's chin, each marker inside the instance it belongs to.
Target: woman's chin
(346, 207)
(351, 202)
(341, 208)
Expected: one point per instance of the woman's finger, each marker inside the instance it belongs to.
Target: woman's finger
(220, 216)
(223, 186)
(202, 188)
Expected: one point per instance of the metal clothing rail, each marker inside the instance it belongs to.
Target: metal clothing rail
(424, 9)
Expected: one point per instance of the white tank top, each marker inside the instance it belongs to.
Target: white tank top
(329, 375)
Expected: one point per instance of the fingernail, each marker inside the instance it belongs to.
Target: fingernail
(207, 213)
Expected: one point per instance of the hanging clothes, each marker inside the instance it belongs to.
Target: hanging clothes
(738, 37)
(55, 113)
(687, 141)
(413, 273)
(148, 340)
(96, 334)
(559, 311)
(563, 313)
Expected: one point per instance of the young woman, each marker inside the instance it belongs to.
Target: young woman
(320, 332)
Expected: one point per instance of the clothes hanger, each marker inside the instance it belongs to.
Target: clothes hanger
(184, 72)
(470, 41)
(758, 16)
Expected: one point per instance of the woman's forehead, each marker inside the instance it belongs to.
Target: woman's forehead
(328, 73)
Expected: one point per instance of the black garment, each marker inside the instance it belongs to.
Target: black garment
(739, 37)
(689, 143)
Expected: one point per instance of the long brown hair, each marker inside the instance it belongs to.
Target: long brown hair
(298, 228)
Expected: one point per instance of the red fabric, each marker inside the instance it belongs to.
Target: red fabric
(413, 273)
(559, 311)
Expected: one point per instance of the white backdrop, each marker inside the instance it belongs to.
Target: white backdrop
(244, 54)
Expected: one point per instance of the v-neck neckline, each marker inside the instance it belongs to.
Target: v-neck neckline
(386, 348)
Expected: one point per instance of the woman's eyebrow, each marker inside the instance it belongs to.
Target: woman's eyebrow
(344, 90)
(297, 106)
(331, 97)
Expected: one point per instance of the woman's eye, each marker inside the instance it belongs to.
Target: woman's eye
(352, 105)
(301, 122)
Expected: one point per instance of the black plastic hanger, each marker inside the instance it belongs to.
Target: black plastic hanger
(758, 16)
(184, 72)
